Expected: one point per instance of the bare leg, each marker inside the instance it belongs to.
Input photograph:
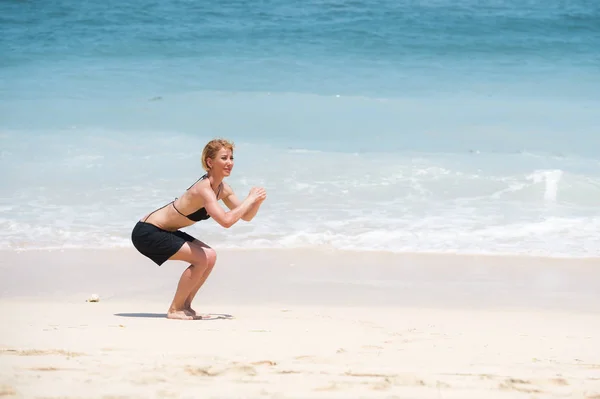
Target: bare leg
(194, 291)
(189, 279)
(211, 257)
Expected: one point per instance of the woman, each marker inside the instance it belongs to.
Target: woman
(157, 235)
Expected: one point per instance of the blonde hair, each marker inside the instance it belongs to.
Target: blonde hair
(212, 147)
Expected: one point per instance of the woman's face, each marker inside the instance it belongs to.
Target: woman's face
(222, 163)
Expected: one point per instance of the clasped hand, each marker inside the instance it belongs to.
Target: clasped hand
(258, 194)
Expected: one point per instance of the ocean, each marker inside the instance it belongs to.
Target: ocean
(406, 126)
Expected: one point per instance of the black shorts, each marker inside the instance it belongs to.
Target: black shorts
(156, 243)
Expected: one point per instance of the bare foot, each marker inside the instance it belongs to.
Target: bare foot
(179, 315)
(189, 311)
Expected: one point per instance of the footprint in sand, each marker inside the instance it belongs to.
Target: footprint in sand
(375, 375)
(392, 379)
(304, 357)
(382, 385)
(39, 352)
(559, 381)
(331, 387)
(44, 368)
(6, 390)
(515, 384)
(264, 363)
(368, 347)
(241, 369)
(215, 371)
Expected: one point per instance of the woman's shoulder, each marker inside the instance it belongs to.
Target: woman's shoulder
(226, 190)
(199, 186)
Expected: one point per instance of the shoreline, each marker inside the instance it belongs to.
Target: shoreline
(326, 250)
(330, 278)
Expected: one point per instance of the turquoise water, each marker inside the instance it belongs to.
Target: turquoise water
(404, 126)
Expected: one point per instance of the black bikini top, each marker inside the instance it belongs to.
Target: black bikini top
(201, 213)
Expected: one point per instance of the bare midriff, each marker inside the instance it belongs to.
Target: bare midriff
(168, 219)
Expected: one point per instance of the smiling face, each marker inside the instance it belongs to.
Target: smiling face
(222, 163)
(217, 157)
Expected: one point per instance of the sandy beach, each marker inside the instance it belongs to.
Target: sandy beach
(300, 324)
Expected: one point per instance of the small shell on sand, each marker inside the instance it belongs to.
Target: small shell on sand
(93, 298)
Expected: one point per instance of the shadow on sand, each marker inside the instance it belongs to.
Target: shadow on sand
(204, 316)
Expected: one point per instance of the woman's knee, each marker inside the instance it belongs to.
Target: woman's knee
(211, 256)
(198, 255)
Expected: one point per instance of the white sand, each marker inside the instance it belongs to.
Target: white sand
(303, 325)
